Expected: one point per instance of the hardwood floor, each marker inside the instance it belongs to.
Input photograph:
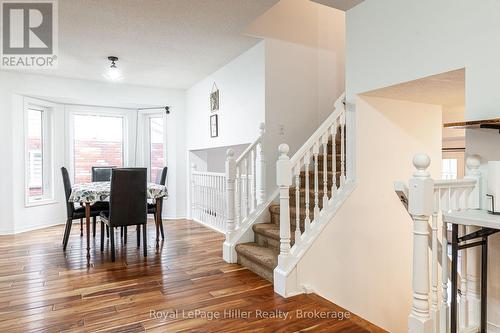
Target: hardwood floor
(42, 289)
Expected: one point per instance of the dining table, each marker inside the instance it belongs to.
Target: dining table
(87, 194)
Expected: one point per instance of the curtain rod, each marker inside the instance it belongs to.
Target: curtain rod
(166, 108)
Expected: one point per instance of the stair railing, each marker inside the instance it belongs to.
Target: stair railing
(289, 170)
(245, 189)
(427, 199)
(208, 198)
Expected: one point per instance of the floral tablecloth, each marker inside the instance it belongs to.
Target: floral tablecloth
(100, 191)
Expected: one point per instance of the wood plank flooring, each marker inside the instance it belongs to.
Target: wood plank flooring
(185, 286)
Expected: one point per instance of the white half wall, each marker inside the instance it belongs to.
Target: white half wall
(362, 260)
(15, 216)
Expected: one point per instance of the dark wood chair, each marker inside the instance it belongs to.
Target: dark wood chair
(100, 174)
(162, 180)
(72, 212)
(127, 205)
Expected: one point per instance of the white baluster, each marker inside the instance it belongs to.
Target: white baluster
(463, 302)
(434, 271)
(262, 168)
(445, 308)
(473, 254)
(239, 215)
(324, 140)
(254, 178)
(342, 150)
(297, 205)
(220, 207)
(212, 200)
(284, 181)
(334, 159)
(420, 207)
(307, 221)
(316, 181)
(205, 190)
(247, 185)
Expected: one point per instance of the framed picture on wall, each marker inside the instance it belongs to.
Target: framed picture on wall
(214, 99)
(214, 126)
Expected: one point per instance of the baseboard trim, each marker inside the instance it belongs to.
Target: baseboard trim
(16, 231)
(207, 225)
(31, 228)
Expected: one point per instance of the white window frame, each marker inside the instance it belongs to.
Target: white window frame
(77, 110)
(146, 116)
(47, 109)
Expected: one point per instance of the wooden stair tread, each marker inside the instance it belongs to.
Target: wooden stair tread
(259, 254)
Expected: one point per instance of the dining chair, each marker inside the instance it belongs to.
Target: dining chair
(101, 174)
(73, 213)
(127, 205)
(161, 179)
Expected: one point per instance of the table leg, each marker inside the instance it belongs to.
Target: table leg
(484, 284)
(454, 273)
(157, 220)
(87, 222)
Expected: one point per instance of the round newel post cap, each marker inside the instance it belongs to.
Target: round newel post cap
(421, 162)
(230, 153)
(473, 162)
(283, 149)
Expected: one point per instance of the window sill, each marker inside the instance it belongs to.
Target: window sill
(40, 203)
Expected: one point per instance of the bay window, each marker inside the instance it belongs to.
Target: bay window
(98, 140)
(38, 152)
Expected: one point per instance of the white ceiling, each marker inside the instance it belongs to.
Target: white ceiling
(162, 43)
(441, 89)
(340, 4)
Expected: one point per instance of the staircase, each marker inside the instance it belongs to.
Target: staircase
(261, 255)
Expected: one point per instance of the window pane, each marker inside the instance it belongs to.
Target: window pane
(450, 168)
(157, 151)
(35, 154)
(98, 141)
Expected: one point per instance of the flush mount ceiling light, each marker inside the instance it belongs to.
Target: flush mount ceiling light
(113, 73)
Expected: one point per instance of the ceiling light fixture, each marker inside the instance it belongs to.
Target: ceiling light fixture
(113, 73)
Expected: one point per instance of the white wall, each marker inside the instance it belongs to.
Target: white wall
(241, 107)
(16, 217)
(394, 41)
(362, 259)
(304, 72)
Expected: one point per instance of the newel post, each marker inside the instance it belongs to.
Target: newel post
(261, 195)
(284, 181)
(420, 207)
(229, 253)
